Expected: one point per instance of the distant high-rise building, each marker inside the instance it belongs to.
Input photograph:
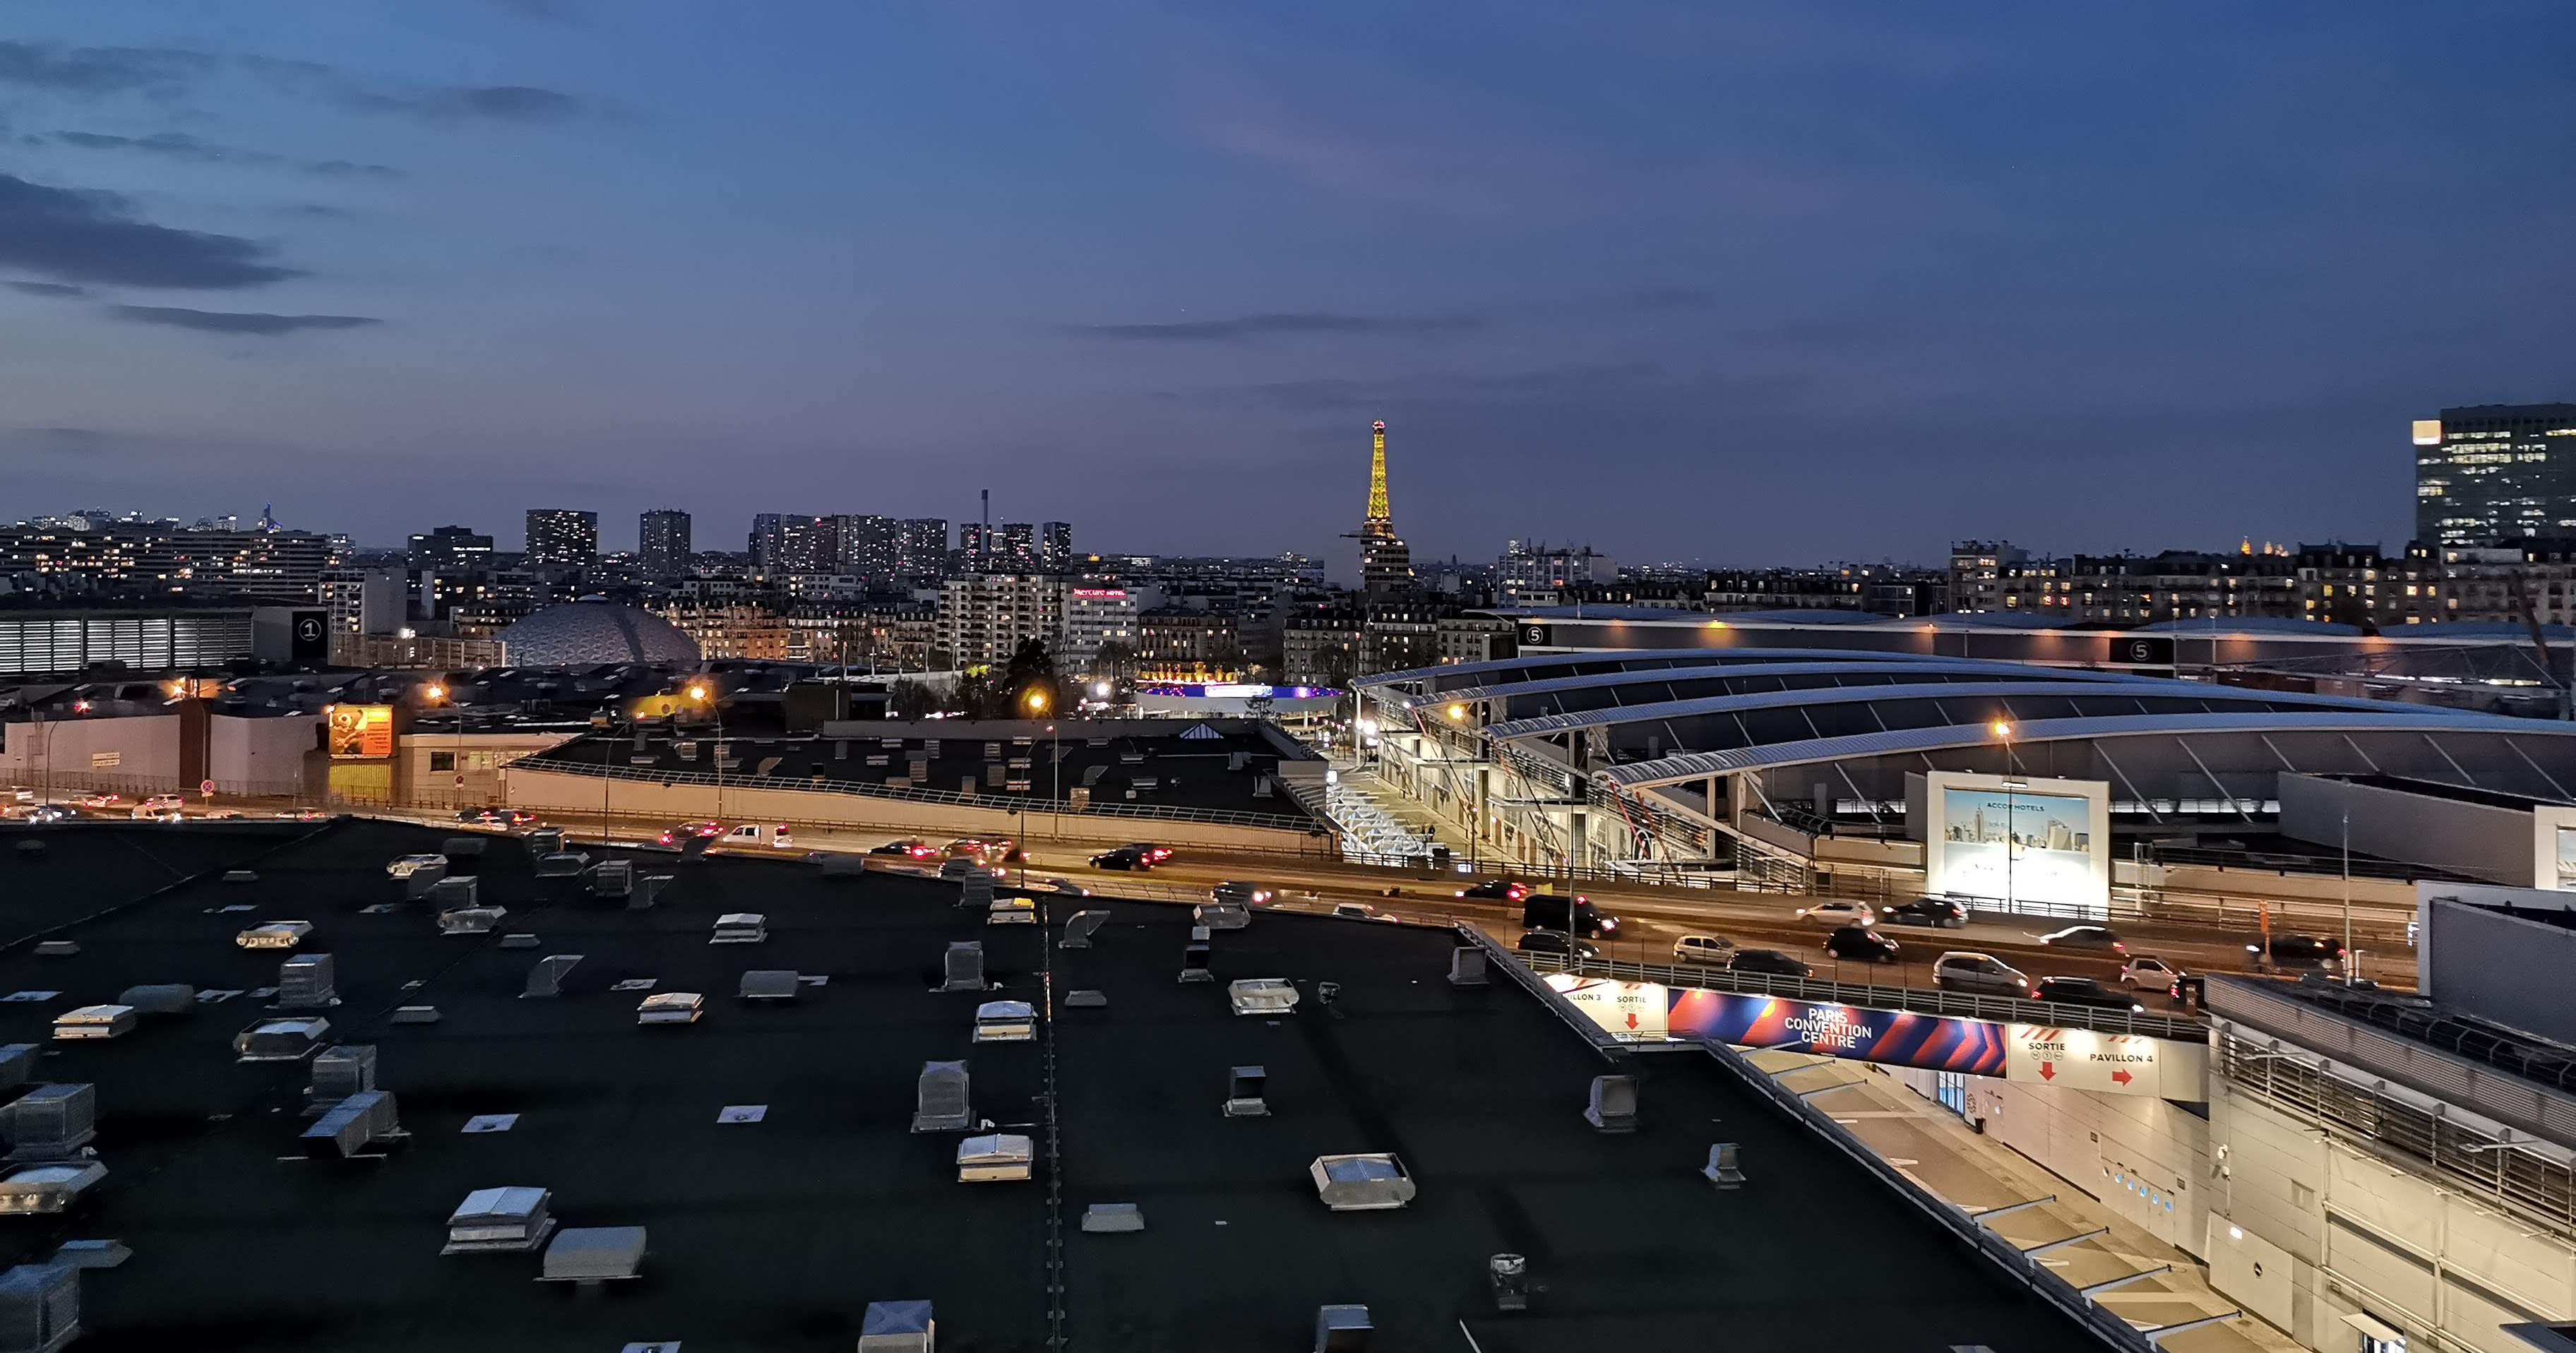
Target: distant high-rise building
(2488, 473)
(866, 546)
(1055, 546)
(662, 543)
(975, 547)
(562, 536)
(1016, 548)
(1386, 562)
(921, 548)
(451, 551)
(786, 542)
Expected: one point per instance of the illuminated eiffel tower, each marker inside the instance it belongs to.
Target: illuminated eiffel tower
(1386, 563)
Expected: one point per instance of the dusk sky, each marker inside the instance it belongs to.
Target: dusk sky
(1742, 283)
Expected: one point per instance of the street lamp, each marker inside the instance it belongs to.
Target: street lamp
(699, 691)
(1036, 700)
(2004, 730)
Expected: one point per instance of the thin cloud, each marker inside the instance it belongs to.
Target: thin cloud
(167, 72)
(48, 289)
(89, 236)
(491, 103)
(198, 150)
(95, 71)
(1240, 327)
(236, 322)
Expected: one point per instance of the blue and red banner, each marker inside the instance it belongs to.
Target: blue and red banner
(1897, 1038)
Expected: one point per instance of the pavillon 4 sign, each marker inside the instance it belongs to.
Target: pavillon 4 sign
(1932, 1042)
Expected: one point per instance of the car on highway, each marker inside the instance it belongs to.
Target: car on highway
(50, 812)
(2083, 991)
(2084, 937)
(1714, 949)
(1508, 890)
(912, 847)
(1359, 911)
(300, 815)
(101, 800)
(1236, 893)
(760, 834)
(2146, 972)
(1769, 963)
(1860, 942)
(1556, 942)
(1153, 854)
(1931, 911)
(1978, 974)
(405, 866)
(993, 851)
(2302, 951)
(960, 869)
(705, 831)
(1836, 912)
(159, 803)
(1124, 857)
(1556, 911)
(503, 817)
(1059, 887)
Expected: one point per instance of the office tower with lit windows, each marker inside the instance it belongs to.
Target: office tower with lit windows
(1055, 546)
(662, 543)
(921, 548)
(1015, 547)
(563, 537)
(2488, 473)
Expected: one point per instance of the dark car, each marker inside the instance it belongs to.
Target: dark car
(1509, 890)
(2083, 991)
(913, 849)
(1557, 942)
(1124, 857)
(2085, 937)
(2303, 951)
(1556, 911)
(1770, 962)
(1861, 942)
(1931, 911)
(497, 817)
(1153, 854)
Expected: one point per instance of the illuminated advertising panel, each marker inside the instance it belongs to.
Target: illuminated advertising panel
(2111, 1064)
(2553, 863)
(2019, 840)
(1630, 1011)
(361, 732)
(1896, 1038)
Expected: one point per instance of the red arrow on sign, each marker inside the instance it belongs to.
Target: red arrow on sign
(2048, 1071)
(1632, 1019)
(2122, 1077)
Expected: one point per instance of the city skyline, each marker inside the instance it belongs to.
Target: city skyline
(1803, 287)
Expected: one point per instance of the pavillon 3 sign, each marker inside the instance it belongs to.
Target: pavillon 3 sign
(1893, 1037)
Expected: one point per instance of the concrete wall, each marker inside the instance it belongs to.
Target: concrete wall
(2143, 1158)
(262, 756)
(547, 791)
(2505, 968)
(2365, 1234)
(2446, 834)
(74, 754)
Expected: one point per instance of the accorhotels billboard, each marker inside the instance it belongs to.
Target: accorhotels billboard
(2019, 839)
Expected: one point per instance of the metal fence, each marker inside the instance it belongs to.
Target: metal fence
(1920, 1000)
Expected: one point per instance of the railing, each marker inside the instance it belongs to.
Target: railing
(1005, 800)
(1920, 1000)
(2286, 862)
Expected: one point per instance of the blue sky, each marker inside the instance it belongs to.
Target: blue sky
(1735, 282)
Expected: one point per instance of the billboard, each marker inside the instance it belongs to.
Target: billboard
(1630, 1011)
(2111, 1064)
(2025, 840)
(2553, 863)
(361, 732)
(1896, 1038)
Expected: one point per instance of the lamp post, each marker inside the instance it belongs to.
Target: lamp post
(701, 692)
(2003, 730)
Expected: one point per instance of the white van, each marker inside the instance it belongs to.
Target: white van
(754, 834)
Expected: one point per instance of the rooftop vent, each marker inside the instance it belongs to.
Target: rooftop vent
(500, 1219)
(996, 1157)
(274, 935)
(49, 1187)
(50, 1122)
(1194, 962)
(590, 1255)
(1467, 966)
(452, 892)
(281, 1040)
(844, 866)
(462, 848)
(939, 1104)
(770, 984)
(1508, 1274)
(306, 982)
(357, 1126)
(39, 1308)
(1012, 911)
(18, 1064)
(545, 840)
(57, 948)
(896, 1327)
(1361, 1183)
(648, 890)
(240, 876)
(160, 998)
(1725, 1166)
(520, 941)
(94, 1021)
(740, 927)
(1086, 1000)
(1342, 1329)
(413, 1014)
(1112, 1218)
(671, 1007)
(1005, 1022)
(965, 966)
(1614, 1104)
(342, 1071)
(976, 889)
(612, 878)
(1078, 931)
(1262, 995)
(1243, 1092)
(546, 978)
(470, 920)
(561, 864)
(1223, 915)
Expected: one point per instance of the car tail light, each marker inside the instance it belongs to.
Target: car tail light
(2119, 946)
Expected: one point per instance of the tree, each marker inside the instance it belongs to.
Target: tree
(1029, 682)
(1116, 660)
(911, 700)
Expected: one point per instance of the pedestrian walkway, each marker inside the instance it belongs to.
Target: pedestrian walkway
(1938, 1150)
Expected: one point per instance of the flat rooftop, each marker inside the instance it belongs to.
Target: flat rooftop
(1216, 769)
(776, 1234)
